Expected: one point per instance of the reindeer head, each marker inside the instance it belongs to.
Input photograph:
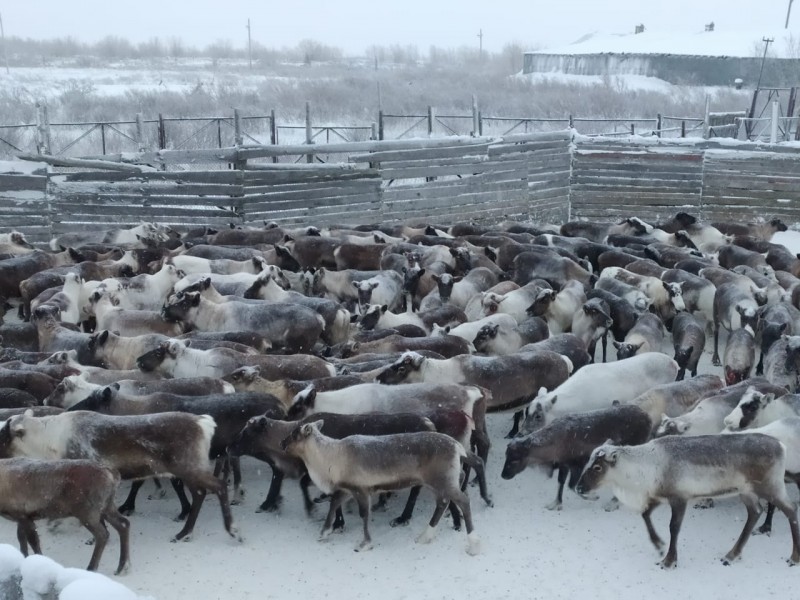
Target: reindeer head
(404, 370)
(517, 453)
(164, 353)
(602, 460)
(299, 436)
(671, 426)
(181, 307)
(750, 405)
(242, 377)
(484, 336)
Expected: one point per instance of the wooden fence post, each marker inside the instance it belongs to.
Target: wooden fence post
(162, 132)
(40, 143)
(658, 124)
(238, 138)
(431, 117)
(480, 123)
(773, 130)
(706, 124)
(373, 135)
(633, 129)
(475, 117)
(571, 122)
(309, 136)
(380, 125)
(683, 129)
(103, 136)
(273, 132)
(48, 139)
(141, 146)
(43, 139)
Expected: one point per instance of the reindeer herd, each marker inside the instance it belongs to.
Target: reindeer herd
(365, 360)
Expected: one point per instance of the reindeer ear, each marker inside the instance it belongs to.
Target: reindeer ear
(612, 458)
(17, 429)
(196, 300)
(103, 337)
(768, 398)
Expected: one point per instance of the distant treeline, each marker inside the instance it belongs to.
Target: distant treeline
(30, 52)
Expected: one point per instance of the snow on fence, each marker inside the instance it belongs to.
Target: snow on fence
(546, 177)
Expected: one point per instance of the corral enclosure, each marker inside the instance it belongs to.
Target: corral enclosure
(546, 177)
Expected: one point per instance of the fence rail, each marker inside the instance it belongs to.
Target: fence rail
(547, 177)
(165, 132)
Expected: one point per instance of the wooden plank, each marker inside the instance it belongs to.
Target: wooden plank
(135, 212)
(437, 171)
(211, 176)
(319, 204)
(612, 199)
(360, 185)
(654, 189)
(429, 204)
(421, 154)
(138, 200)
(318, 194)
(144, 189)
(529, 147)
(786, 186)
(755, 195)
(14, 183)
(544, 136)
(396, 194)
(257, 178)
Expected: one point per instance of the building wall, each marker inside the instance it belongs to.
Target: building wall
(677, 69)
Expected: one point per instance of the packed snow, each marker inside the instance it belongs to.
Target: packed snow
(41, 578)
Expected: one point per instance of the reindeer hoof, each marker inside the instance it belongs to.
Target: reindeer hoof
(612, 505)
(363, 547)
(473, 544)
(556, 505)
(716, 362)
(793, 562)
(399, 522)
(664, 564)
(763, 530)
(426, 537)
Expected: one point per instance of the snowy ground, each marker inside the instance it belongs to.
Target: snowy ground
(527, 551)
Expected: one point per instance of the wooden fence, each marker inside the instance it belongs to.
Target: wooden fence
(547, 177)
(657, 178)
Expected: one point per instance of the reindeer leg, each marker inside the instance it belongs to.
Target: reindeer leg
(751, 503)
(678, 511)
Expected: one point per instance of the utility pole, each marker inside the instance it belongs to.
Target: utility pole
(767, 41)
(3, 38)
(249, 46)
(788, 12)
(480, 44)
(749, 124)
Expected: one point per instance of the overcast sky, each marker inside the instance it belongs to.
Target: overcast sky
(356, 24)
